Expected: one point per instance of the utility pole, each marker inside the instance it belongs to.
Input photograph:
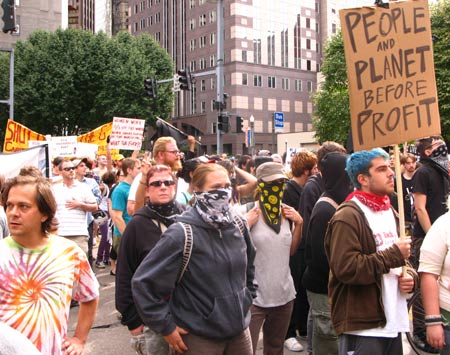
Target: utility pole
(219, 72)
(10, 101)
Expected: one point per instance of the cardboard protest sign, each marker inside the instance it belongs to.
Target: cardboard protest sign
(390, 67)
(127, 133)
(17, 137)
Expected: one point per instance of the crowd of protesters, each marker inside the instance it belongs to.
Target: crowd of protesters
(209, 252)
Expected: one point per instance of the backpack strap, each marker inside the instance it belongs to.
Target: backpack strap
(329, 200)
(187, 251)
(240, 224)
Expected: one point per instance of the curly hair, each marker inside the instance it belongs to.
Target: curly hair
(360, 163)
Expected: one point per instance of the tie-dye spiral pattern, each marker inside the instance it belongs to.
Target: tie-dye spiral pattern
(36, 287)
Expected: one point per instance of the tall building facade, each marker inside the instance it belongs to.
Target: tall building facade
(32, 15)
(272, 54)
(119, 16)
(82, 14)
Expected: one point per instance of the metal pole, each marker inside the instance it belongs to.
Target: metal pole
(219, 70)
(11, 85)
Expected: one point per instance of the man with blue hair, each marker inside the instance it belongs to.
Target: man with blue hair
(368, 291)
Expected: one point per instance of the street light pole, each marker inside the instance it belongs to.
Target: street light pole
(252, 134)
(219, 71)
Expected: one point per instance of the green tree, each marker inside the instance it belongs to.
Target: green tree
(73, 81)
(440, 26)
(332, 114)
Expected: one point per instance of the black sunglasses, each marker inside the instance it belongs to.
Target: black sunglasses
(68, 169)
(160, 182)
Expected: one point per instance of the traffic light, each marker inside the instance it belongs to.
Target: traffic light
(176, 83)
(184, 78)
(9, 16)
(150, 87)
(239, 124)
(224, 123)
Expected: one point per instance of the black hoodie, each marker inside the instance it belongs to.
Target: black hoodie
(337, 187)
(140, 236)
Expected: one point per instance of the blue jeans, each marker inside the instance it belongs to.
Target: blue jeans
(149, 343)
(446, 349)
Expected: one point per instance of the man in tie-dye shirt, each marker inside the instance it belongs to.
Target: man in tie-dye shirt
(40, 272)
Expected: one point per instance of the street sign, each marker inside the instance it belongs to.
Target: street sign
(278, 121)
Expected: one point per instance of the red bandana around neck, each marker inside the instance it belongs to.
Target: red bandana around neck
(374, 202)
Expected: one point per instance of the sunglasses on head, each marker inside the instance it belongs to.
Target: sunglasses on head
(158, 183)
(68, 169)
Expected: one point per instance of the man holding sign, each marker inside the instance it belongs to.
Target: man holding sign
(368, 291)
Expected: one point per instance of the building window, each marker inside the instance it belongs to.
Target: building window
(202, 20)
(285, 83)
(271, 82)
(202, 62)
(298, 85)
(191, 4)
(193, 100)
(213, 83)
(317, 27)
(257, 80)
(158, 17)
(212, 38)
(203, 106)
(212, 61)
(284, 49)
(244, 56)
(212, 16)
(136, 9)
(192, 45)
(192, 66)
(333, 28)
(203, 85)
(192, 24)
(310, 86)
(271, 49)
(308, 23)
(201, 2)
(202, 41)
(308, 65)
(308, 44)
(244, 79)
(257, 51)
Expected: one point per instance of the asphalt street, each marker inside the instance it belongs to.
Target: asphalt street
(109, 337)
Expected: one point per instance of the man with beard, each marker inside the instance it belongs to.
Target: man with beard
(165, 152)
(367, 288)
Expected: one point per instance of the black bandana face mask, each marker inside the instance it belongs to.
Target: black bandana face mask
(213, 206)
(440, 157)
(270, 196)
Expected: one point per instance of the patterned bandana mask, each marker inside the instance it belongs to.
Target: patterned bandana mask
(213, 206)
(440, 157)
(270, 195)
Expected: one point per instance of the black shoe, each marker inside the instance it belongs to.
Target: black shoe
(422, 344)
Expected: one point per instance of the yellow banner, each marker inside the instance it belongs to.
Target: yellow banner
(98, 136)
(17, 137)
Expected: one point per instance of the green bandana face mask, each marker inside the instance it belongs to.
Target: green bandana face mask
(270, 195)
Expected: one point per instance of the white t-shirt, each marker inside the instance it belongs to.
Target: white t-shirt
(395, 307)
(435, 257)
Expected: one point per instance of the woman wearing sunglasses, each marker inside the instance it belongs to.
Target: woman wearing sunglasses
(208, 310)
(140, 236)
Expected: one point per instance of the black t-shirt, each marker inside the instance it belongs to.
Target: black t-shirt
(292, 193)
(434, 184)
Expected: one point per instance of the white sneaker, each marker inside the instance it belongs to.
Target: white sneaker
(293, 344)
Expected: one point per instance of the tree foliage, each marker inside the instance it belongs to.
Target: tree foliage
(332, 115)
(72, 80)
